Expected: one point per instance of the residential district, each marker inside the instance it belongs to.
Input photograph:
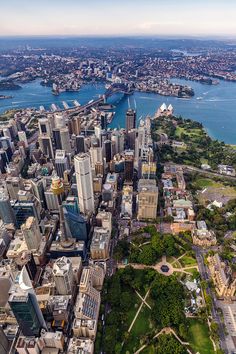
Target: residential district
(70, 193)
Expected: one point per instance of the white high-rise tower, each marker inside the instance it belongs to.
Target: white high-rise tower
(84, 183)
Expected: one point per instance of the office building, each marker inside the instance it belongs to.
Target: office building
(13, 184)
(148, 170)
(104, 219)
(45, 143)
(65, 139)
(6, 212)
(22, 137)
(3, 161)
(44, 126)
(76, 224)
(63, 276)
(96, 155)
(60, 121)
(74, 125)
(130, 120)
(147, 199)
(80, 144)
(61, 163)
(127, 202)
(129, 166)
(107, 153)
(84, 183)
(26, 205)
(4, 343)
(24, 305)
(31, 233)
(103, 121)
(57, 138)
(99, 248)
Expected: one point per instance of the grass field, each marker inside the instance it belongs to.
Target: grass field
(139, 329)
(201, 183)
(188, 261)
(199, 337)
(190, 132)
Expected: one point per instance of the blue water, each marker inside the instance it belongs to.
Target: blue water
(216, 108)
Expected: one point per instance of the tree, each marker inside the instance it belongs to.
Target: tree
(167, 344)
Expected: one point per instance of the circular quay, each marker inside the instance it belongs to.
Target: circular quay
(118, 177)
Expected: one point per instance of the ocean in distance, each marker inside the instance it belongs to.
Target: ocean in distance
(214, 106)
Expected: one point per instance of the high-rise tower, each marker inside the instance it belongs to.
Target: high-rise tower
(84, 183)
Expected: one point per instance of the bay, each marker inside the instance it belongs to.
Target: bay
(212, 105)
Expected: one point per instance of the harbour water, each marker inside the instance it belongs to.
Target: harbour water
(214, 106)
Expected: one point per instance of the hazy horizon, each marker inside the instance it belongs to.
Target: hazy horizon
(211, 18)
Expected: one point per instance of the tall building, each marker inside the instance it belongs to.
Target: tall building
(61, 162)
(96, 155)
(130, 119)
(79, 144)
(6, 212)
(44, 126)
(24, 305)
(147, 199)
(45, 143)
(4, 343)
(76, 224)
(31, 233)
(22, 137)
(26, 205)
(84, 182)
(75, 125)
(107, 150)
(57, 138)
(129, 165)
(65, 139)
(63, 276)
(104, 121)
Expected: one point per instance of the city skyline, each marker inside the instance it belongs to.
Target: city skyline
(185, 18)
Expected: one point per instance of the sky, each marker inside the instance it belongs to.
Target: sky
(118, 17)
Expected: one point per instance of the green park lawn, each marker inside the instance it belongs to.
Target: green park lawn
(188, 261)
(199, 338)
(201, 183)
(140, 328)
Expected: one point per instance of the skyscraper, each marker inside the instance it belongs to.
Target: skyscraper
(130, 119)
(79, 144)
(107, 150)
(25, 307)
(22, 137)
(63, 276)
(6, 212)
(61, 162)
(84, 183)
(45, 143)
(129, 165)
(31, 233)
(65, 139)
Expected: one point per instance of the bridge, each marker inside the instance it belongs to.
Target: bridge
(111, 90)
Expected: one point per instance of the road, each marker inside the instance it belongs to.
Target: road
(208, 173)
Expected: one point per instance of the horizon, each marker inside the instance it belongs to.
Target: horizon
(211, 18)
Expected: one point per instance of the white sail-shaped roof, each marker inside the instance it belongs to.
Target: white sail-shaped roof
(163, 107)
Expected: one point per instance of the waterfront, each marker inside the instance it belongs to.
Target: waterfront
(214, 106)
